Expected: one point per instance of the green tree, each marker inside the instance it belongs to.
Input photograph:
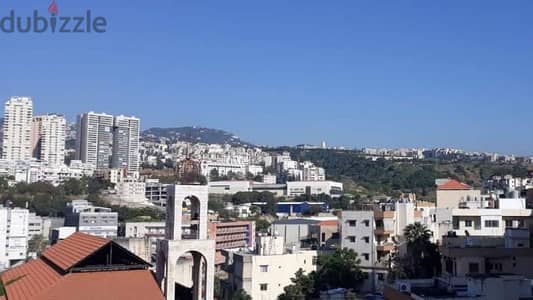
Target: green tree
(302, 287)
(423, 258)
(339, 270)
(241, 295)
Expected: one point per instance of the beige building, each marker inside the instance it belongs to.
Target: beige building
(263, 275)
(454, 194)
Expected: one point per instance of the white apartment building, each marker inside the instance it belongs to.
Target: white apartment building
(263, 275)
(131, 190)
(223, 168)
(35, 171)
(35, 225)
(17, 128)
(13, 235)
(95, 139)
(48, 138)
(126, 143)
(313, 174)
(374, 234)
(229, 187)
(297, 188)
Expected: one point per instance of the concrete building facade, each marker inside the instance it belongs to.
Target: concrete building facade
(186, 259)
(48, 138)
(17, 129)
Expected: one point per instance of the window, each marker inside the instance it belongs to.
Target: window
(315, 260)
(351, 239)
(381, 276)
(492, 223)
(473, 268)
(263, 268)
(366, 256)
(468, 223)
(323, 236)
(508, 223)
(263, 286)
(352, 223)
(366, 239)
(367, 223)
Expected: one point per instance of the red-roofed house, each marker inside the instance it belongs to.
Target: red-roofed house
(82, 267)
(452, 193)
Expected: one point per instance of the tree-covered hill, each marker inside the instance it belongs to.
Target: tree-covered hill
(364, 176)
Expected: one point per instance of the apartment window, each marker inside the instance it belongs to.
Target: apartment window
(367, 223)
(352, 223)
(366, 239)
(381, 276)
(492, 223)
(508, 223)
(263, 268)
(468, 223)
(315, 260)
(351, 239)
(323, 237)
(263, 286)
(473, 268)
(366, 256)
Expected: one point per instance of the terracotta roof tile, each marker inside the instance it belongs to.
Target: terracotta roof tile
(72, 250)
(453, 184)
(40, 279)
(117, 285)
(28, 280)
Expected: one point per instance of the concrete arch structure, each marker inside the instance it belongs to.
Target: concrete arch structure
(179, 243)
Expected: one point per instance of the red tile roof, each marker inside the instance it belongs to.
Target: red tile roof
(26, 281)
(328, 223)
(72, 250)
(133, 284)
(453, 184)
(48, 279)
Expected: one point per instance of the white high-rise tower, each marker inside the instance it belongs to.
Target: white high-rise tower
(95, 139)
(126, 143)
(17, 128)
(48, 138)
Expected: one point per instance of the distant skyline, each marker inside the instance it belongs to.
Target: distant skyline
(353, 73)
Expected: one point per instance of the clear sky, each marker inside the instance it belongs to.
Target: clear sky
(354, 73)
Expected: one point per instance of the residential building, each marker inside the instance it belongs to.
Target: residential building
(94, 220)
(95, 139)
(156, 192)
(131, 190)
(486, 255)
(48, 139)
(491, 287)
(454, 194)
(331, 188)
(13, 235)
(82, 267)
(264, 274)
(374, 234)
(152, 232)
(60, 233)
(35, 225)
(126, 144)
(231, 235)
(17, 129)
(319, 232)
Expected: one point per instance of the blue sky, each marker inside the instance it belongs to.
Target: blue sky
(355, 73)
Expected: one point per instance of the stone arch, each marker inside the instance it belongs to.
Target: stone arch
(191, 215)
(190, 275)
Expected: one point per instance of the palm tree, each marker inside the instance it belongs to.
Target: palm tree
(422, 254)
(416, 233)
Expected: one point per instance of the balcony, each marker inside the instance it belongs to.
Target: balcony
(381, 231)
(385, 247)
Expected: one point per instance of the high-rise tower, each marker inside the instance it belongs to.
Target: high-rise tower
(17, 128)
